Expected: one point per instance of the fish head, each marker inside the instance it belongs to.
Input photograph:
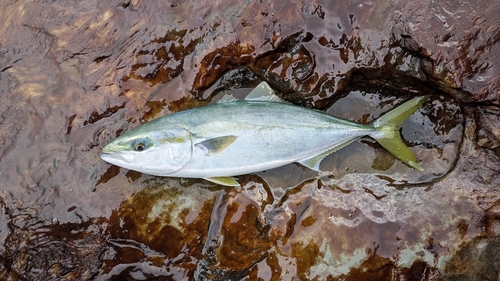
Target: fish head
(150, 151)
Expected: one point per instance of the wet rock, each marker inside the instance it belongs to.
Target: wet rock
(462, 45)
(160, 231)
(74, 76)
(477, 260)
(54, 252)
(489, 134)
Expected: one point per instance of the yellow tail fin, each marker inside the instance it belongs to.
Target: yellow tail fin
(387, 131)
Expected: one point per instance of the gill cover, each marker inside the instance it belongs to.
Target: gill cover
(172, 152)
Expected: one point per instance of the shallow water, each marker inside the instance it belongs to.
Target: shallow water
(74, 76)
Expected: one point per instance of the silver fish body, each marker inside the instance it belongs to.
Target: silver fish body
(232, 138)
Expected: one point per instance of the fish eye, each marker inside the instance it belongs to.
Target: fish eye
(141, 144)
(139, 147)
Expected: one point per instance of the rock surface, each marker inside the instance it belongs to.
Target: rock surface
(75, 75)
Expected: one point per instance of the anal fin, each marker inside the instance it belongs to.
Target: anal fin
(226, 181)
(314, 161)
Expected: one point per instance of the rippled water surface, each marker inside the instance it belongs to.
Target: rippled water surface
(75, 75)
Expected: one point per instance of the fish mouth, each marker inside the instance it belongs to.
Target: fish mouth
(106, 150)
(109, 149)
(117, 158)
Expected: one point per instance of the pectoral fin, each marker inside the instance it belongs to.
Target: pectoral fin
(227, 181)
(216, 145)
(314, 161)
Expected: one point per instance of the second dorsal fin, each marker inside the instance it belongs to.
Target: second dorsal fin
(263, 93)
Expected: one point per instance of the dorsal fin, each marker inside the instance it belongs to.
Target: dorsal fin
(227, 98)
(263, 93)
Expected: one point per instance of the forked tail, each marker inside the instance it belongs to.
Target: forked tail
(387, 131)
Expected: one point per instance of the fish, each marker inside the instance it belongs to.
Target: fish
(221, 141)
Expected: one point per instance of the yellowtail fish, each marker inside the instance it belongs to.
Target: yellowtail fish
(235, 137)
